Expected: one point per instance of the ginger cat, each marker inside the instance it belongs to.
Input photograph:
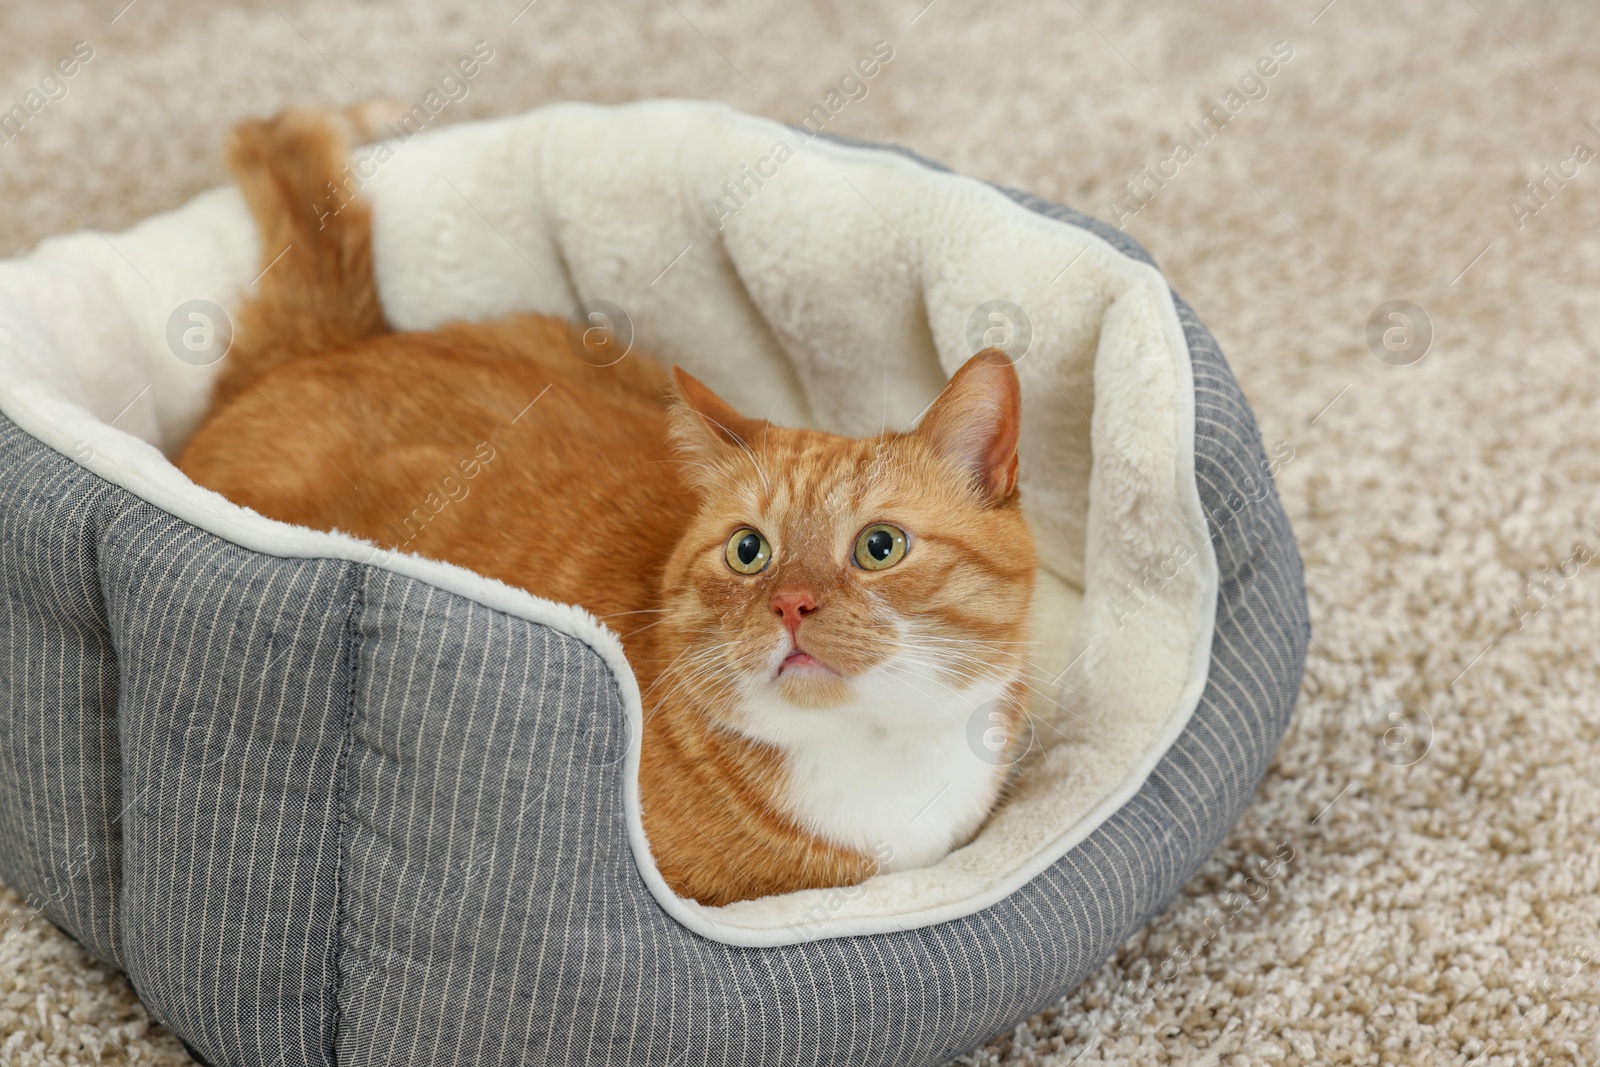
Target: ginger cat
(819, 624)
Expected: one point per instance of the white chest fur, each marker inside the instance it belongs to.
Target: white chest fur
(899, 772)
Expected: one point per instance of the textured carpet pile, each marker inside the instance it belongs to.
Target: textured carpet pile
(1417, 882)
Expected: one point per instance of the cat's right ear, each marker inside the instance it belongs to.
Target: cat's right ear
(976, 422)
(703, 424)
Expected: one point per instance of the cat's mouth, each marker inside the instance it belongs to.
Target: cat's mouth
(799, 663)
(799, 657)
(806, 681)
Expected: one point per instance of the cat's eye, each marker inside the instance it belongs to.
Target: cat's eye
(748, 551)
(880, 546)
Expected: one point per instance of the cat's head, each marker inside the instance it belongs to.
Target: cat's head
(887, 577)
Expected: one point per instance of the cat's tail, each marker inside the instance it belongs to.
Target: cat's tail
(316, 290)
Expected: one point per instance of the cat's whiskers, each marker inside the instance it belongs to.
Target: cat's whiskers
(711, 468)
(766, 428)
(737, 439)
(970, 642)
(1026, 714)
(983, 656)
(880, 461)
(977, 659)
(693, 655)
(936, 665)
(689, 670)
(646, 626)
(761, 472)
(912, 680)
(1027, 667)
(710, 670)
(981, 667)
(883, 424)
(666, 673)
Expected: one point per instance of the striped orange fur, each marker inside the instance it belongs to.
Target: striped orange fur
(786, 711)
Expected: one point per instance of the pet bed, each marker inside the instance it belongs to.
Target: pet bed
(326, 804)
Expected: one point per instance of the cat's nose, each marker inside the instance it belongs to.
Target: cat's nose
(791, 607)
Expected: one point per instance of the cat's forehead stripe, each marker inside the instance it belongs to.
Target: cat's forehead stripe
(802, 482)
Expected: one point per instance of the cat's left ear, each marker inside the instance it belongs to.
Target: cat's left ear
(702, 422)
(976, 421)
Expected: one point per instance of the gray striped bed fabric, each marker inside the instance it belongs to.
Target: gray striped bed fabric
(321, 813)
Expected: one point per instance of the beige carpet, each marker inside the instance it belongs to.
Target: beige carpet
(1441, 912)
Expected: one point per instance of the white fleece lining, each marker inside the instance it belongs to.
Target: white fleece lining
(837, 295)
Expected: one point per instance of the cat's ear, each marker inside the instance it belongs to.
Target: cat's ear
(975, 421)
(703, 424)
